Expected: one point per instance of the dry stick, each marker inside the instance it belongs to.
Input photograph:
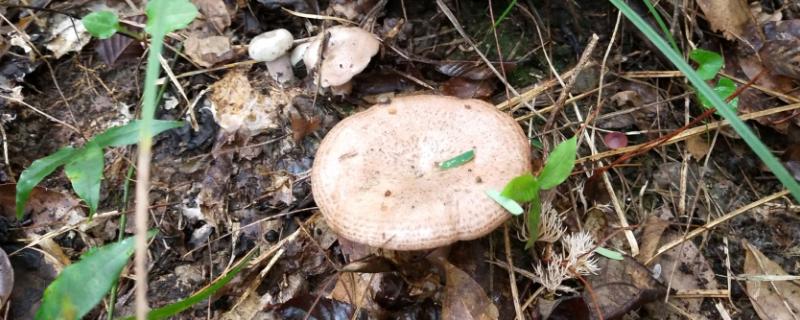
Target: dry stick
(450, 16)
(511, 278)
(712, 224)
(571, 83)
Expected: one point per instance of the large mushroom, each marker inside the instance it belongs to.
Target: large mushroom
(272, 48)
(348, 51)
(377, 180)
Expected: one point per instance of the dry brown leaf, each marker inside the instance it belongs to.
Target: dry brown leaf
(208, 51)
(685, 268)
(729, 16)
(698, 147)
(215, 12)
(651, 237)
(464, 298)
(776, 300)
(621, 286)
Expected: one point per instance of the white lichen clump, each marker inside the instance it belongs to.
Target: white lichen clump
(577, 260)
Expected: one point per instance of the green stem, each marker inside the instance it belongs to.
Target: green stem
(661, 24)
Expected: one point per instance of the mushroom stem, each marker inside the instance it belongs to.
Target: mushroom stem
(280, 69)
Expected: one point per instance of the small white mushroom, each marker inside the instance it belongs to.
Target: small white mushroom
(348, 52)
(272, 48)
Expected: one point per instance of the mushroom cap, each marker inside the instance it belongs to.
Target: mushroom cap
(377, 181)
(271, 45)
(348, 52)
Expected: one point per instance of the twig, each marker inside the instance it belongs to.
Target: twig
(511, 277)
(565, 90)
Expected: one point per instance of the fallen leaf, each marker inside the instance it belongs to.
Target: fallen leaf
(302, 126)
(215, 12)
(771, 299)
(208, 51)
(621, 286)
(651, 236)
(464, 298)
(467, 89)
(66, 35)
(471, 70)
(239, 108)
(729, 16)
(698, 147)
(686, 269)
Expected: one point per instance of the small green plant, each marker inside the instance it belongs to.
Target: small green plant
(714, 99)
(525, 188)
(82, 285)
(83, 166)
(708, 65)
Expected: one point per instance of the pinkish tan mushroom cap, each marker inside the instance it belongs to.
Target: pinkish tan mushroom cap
(348, 52)
(376, 177)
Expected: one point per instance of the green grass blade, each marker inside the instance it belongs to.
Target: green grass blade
(175, 308)
(458, 160)
(737, 124)
(534, 215)
(505, 13)
(661, 24)
(38, 170)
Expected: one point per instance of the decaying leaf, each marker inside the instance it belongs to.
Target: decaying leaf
(774, 300)
(67, 35)
(465, 88)
(685, 268)
(464, 298)
(621, 286)
(6, 277)
(215, 13)
(698, 147)
(729, 16)
(208, 51)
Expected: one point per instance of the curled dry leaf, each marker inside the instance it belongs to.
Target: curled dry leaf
(464, 298)
(698, 147)
(774, 300)
(729, 16)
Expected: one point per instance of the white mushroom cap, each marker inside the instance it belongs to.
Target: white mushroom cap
(377, 181)
(348, 52)
(271, 45)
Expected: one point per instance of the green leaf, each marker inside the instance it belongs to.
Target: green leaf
(85, 171)
(724, 89)
(709, 63)
(173, 309)
(101, 24)
(129, 133)
(608, 253)
(38, 170)
(534, 215)
(536, 143)
(510, 205)
(165, 16)
(80, 286)
(458, 160)
(559, 164)
(522, 188)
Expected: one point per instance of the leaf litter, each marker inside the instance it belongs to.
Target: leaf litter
(220, 193)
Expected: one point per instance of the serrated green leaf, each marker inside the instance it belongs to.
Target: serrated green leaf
(175, 308)
(165, 16)
(559, 164)
(709, 63)
(522, 188)
(80, 286)
(129, 133)
(458, 160)
(608, 253)
(534, 215)
(38, 170)
(85, 171)
(101, 24)
(510, 205)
